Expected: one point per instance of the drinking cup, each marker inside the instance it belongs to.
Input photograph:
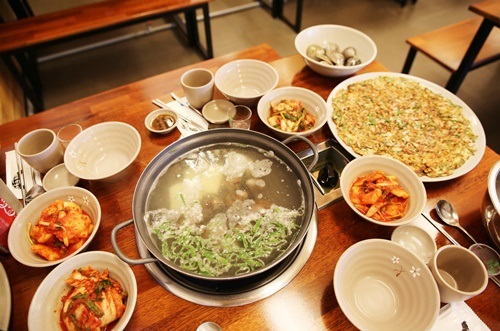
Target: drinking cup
(67, 133)
(198, 86)
(40, 149)
(459, 273)
(240, 117)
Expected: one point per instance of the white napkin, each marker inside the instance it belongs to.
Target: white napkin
(11, 175)
(453, 315)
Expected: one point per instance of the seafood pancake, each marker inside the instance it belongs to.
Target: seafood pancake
(400, 118)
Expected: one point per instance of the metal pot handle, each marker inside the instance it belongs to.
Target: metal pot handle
(313, 148)
(118, 251)
(313, 162)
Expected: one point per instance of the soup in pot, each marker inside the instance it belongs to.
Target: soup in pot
(225, 210)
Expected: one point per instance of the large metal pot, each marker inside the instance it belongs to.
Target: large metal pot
(175, 151)
(490, 208)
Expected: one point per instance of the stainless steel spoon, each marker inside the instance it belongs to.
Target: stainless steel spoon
(35, 190)
(449, 215)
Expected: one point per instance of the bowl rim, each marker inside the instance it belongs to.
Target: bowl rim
(85, 259)
(260, 109)
(151, 114)
(492, 182)
(70, 148)
(343, 27)
(218, 77)
(413, 177)
(51, 196)
(378, 241)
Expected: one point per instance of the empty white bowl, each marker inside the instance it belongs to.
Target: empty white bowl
(169, 116)
(312, 102)
(216, 111)
(59, 176)
(380, 285)
(416, 240)
(344, 37)
(18, 241)
(103, 151)
(405, 176)
(46, 305)
(244, 82)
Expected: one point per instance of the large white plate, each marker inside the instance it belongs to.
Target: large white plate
(45, 307)
(477, 128)
(5, 299)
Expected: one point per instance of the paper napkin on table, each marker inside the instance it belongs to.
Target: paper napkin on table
(12, 178)
(184, 127)
(458, 316)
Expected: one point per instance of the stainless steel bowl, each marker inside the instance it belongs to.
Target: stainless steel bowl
(490, 208)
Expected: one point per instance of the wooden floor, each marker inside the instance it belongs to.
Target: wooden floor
(76, 76)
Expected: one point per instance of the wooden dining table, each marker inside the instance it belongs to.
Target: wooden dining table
(308, 302)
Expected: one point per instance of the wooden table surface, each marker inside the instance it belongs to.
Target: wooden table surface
(308, 302)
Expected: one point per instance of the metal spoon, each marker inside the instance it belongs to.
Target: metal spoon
(449, 215)
(35, 190)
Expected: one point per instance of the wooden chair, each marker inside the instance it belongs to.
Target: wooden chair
(448, 46)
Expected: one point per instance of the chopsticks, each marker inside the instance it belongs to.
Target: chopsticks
(20, 174)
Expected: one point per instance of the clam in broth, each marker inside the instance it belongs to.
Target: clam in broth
(225, 210)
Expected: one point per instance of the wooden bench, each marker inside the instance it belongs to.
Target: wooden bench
(19, 39)
(449, 45)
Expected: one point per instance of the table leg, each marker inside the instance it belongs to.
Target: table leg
(409, 60)
(458, 76)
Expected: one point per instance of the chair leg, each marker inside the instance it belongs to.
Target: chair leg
(409, 60)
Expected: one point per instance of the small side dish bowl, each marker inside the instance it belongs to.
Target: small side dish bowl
(161, 121)
(18, 238)
(103, 151)
(313, 103)
(244, 82)
(216, 111)
(380, 285)
(59, 176)
(405, 176)
(344, 37)
(416, 240)
(46, 305)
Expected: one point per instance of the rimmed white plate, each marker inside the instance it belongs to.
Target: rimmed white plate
(5, 299)
(477, 128)
(46, 305)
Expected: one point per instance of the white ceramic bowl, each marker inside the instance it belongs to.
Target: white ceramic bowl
(20, 246)
(148, 121)
(103, 151)
(216, 111)
(244, 82)
(46, 303)
(312, 102)
(415, 239)
(344, 37)
(379, 285)
(59, 176)
(405, 176)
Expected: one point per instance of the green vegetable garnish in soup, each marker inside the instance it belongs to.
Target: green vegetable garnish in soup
(225, 210)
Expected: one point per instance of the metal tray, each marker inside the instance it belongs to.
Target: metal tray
(329, 151)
